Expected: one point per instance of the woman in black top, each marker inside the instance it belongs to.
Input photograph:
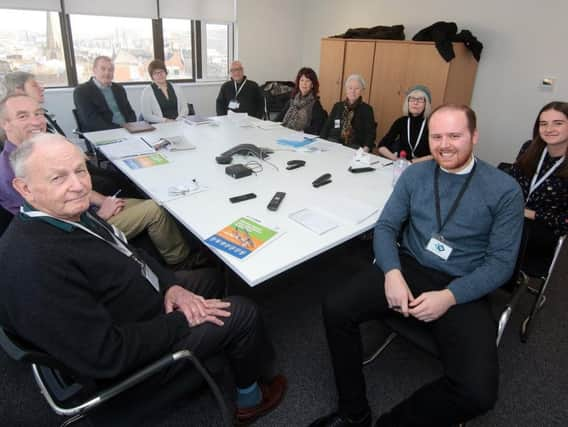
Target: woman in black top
(410, 132)
(161, 101)
(352, 121)
(304, 111)
(541, 169)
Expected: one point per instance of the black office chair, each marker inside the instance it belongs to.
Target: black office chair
(190, 109)
(5, 219)
(90, 148)
(537, 265)
(74, 397)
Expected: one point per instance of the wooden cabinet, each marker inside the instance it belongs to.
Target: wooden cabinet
(390, 68)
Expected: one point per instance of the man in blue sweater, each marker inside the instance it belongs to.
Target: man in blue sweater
(461, 221)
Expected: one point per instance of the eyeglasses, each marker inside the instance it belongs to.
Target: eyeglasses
(419, 100)
(236, 69)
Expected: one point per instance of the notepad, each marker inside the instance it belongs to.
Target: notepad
(314, 220)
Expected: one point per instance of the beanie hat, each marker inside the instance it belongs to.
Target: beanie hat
(423, 89)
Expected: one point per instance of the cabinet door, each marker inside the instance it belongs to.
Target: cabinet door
(331, 72)
(389, 76)
(426, 67)
(359, 60)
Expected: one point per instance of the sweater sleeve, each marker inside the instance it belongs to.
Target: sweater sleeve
(501, 253)
(71, 324)
(151, 111)
(318, 118)
(391, 136)
(391, 222)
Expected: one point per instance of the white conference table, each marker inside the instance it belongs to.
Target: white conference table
(205, 213)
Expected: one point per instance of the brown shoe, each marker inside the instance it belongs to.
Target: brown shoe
(272, 394)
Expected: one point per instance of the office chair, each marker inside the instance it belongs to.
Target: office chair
(79, 131)
(76, 398)
(5, 219)
(415, 331)
(535, 269)
(537, 266)
(190, 109)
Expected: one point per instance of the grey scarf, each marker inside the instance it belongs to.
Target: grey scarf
(299, 114)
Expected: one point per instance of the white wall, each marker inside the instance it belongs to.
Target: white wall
(523, 42)
(270, 38)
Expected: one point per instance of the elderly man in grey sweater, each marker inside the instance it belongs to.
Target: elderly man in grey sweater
(460, 221)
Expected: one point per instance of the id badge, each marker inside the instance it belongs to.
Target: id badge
(234, 104)
(151, 277)
(121, 236)
(337, 123)
(439, 247)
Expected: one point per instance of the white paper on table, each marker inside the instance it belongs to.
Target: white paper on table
(268, 125)
(314, 220)
(128, 148)
(347, 209)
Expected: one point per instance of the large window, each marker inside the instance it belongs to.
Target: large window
(178, 48)
(216, 51)
(128, 41)
(31, 41)
(59, 48)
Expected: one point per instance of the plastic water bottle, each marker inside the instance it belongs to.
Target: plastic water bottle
(399, 166)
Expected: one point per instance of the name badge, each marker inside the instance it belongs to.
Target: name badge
(439, 247)
(234, 104)
(337, 123)
(119, 234)
(151, 277)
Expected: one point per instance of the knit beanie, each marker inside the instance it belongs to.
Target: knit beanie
(423, 89)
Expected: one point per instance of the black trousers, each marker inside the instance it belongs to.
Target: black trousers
(242, 339)
(465, 336)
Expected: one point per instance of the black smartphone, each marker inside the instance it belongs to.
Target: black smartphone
(242, 198)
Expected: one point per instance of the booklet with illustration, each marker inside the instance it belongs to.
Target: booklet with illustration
(242, 237)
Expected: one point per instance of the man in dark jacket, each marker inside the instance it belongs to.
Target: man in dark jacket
(240, 94)
(100, 103)
(84, 295)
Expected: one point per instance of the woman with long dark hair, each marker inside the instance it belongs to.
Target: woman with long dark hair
(541, 169)
(304, 111)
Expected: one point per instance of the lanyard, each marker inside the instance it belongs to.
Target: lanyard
(413, 148)
(535, 182)
(241, 88)
(456, 202)
(117, 243)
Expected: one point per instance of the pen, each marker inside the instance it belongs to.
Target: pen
(116, 194)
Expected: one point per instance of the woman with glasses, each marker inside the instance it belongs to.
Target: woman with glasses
(409, 133)
(352, 121)
(161, 101)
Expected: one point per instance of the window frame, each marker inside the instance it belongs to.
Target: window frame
(198, 40)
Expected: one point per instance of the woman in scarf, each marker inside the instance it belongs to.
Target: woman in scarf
(304, 111)
(352, 121)
(409, 133)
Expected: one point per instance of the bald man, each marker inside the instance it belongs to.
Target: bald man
(240, 94)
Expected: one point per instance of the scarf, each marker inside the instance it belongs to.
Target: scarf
(299, 114)
(347, 130)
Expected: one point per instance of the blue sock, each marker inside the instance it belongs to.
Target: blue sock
(249, 396)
